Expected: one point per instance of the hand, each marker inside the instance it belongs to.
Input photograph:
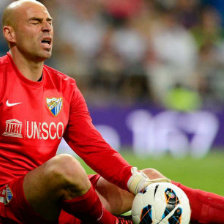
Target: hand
(139, 181)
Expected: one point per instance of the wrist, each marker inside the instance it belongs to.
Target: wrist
(138, 181)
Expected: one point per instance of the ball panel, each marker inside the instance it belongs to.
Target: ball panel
(161, 202)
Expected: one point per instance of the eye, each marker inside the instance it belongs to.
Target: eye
(50, 23)
(35, 23)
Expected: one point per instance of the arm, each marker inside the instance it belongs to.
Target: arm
(87, 142)
(2, 81)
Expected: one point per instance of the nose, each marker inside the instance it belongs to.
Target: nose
(47, 27)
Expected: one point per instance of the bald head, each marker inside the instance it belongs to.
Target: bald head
(11, 11)
(28, 29)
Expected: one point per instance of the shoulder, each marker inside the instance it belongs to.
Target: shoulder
(3, 61)
(67, 85)
(62, 82)
(59, 76)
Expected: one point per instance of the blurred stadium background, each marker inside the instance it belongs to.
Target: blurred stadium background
(152, 73)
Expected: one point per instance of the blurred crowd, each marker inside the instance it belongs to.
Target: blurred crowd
(123, 52)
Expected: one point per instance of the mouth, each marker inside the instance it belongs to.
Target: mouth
(46, 42)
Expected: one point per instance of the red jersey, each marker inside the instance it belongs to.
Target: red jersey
(34, 116)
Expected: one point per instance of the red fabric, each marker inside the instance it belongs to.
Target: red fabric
(206, 207)
(30, 130)
(17, 210)
(66, 218)
(124, 8)
(89, 209)
(94, 179)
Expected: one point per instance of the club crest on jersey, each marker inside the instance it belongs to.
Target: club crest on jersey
(6, 195)
(54, 105)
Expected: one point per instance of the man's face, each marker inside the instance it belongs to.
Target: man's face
(33, 31)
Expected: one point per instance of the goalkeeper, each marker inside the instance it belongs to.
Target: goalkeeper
(39, 106)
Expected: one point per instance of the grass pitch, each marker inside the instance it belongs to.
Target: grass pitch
(205, 173)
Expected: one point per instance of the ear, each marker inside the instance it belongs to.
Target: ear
(9, 34)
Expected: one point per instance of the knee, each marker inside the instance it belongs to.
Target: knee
(153, 173)
(65, 173)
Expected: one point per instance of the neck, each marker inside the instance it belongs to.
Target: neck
(30, 69)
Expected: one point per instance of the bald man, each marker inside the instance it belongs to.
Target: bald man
(38, 107)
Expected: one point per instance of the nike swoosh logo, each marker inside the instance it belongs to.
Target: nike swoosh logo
(11, 104)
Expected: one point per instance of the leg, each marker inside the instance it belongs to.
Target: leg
(206, 207)
(47, 185)
(61, 183)
(117, 200)
(114, 199)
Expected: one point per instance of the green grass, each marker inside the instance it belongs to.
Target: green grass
(206, 173)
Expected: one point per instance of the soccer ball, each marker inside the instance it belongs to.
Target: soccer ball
(162, 203)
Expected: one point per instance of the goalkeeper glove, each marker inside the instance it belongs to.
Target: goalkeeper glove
(139, 181)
